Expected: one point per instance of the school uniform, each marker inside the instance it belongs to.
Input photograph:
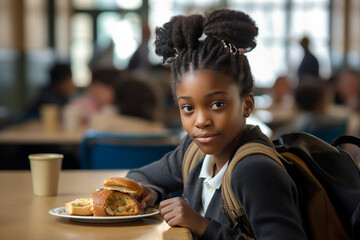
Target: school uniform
(265, 189)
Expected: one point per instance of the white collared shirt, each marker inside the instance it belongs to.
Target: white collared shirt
(210, 183)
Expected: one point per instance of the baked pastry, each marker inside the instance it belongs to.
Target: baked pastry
(114, 203)
(125, 185)
(80, 206)
(117, 198)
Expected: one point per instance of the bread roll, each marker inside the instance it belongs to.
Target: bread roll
(125, 185)
(80, 206)
(113, 203)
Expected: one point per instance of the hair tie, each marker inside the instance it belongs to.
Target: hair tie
(234, 50)
(170, 59)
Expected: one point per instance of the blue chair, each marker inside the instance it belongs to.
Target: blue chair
(103, 150)
(328, 132)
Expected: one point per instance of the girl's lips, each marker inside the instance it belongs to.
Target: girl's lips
(205, 139)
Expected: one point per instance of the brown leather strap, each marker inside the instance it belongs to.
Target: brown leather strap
(192, 156)
(233, 205)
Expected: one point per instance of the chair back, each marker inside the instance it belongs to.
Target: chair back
(328, 132)
(103, 150)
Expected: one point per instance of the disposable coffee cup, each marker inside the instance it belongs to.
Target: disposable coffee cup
(45, 171)
(71, 119)
(50, 117)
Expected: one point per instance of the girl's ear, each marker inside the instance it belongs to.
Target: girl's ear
(248, 105)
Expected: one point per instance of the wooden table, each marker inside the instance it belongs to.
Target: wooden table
(24, 216)
(32, 132)
(18, 141)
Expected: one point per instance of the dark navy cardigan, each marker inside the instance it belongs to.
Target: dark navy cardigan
(267, 192)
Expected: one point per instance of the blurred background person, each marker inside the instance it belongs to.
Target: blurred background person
(137, 106)
(140, 58)
(282, 95)
(309, 66)
(276, 106)
(58, 90)
(347, 88)
(313, 116)
(98, 96)
(138, 99)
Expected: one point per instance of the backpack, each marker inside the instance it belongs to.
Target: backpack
(327, 179)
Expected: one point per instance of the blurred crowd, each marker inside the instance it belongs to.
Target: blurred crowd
(130, 99)
(114, 99)
(326, 108)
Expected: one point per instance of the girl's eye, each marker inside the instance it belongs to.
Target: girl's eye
(187, 108)
(217, 105)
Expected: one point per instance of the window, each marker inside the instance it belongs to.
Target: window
(282, 23)
(103, 33)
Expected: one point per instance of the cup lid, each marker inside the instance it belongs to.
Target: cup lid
(45, 156)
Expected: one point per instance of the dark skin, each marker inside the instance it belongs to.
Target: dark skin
(213, 114)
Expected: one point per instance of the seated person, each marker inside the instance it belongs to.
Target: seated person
(138, 99)
(58, 90)
(98, 96)
(347, 89)
(137, 107)
(313, 116)
(282, 107)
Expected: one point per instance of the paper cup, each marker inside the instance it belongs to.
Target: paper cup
(49, 114)
(45, 171)
(71, 119)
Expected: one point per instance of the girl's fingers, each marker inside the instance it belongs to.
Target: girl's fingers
(148, 197)
(171, 211)
(146, 202)
(168, 215)
(165, 209)
(170, 201)
(171, 217)
(168, 205)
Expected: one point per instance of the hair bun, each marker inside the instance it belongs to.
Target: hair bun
(179, 33)
(187, 31)
(164, 45)
(233, 27)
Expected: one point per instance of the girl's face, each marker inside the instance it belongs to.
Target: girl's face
(212, 111)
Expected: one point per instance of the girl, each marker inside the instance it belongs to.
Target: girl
(213, 89)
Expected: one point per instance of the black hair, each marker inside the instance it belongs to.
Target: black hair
(178, 41)
(58, 72)
(107, 76)
(308, 97)
(136, 98)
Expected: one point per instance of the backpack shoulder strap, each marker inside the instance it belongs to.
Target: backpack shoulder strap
(346, 139)
(192, 156)
(233, 206)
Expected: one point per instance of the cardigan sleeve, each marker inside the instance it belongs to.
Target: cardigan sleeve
(270, 200)
(164, 175)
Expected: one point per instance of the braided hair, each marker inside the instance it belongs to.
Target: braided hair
(226, 31)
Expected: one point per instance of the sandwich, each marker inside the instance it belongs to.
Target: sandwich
(80, 206)
(117, 198)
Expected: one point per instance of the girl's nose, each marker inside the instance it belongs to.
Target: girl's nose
(202, 120)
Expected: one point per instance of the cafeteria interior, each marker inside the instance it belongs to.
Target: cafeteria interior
(106, 47)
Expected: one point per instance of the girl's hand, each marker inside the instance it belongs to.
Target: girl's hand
(176, 212)
(148, 197)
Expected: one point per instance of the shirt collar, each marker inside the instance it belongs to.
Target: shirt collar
(207, 170)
